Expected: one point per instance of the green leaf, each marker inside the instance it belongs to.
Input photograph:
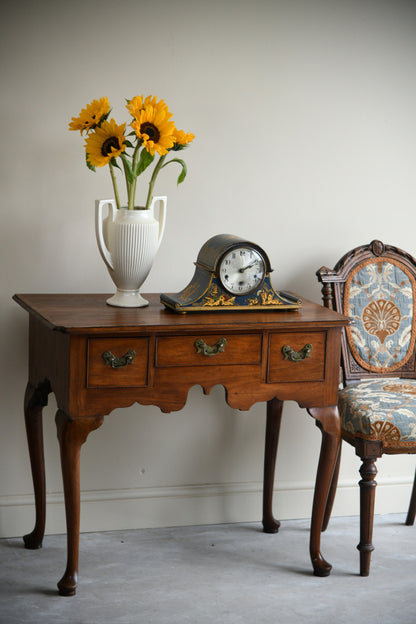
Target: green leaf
(182, 175)
(128, 143)
(103, 118)
(115, 163)
(127, 169)
(145, 160)
(89, 165)
(184, 171)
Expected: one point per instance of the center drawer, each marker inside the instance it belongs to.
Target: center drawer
(208, 350)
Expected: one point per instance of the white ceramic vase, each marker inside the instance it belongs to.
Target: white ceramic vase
(128, 241)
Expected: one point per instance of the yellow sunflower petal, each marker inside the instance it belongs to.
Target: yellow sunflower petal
(182, 138)
(105, 143)
(135, 104)
(139, 103)
(91, 115)
(153, 127)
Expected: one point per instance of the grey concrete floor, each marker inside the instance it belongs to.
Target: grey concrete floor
(221, 574)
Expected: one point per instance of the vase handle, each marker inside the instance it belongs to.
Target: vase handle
(163, 201)
(99, 204)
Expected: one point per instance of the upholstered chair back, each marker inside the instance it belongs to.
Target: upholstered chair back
(375, 285)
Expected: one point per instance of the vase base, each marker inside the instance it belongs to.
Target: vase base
(127, 299)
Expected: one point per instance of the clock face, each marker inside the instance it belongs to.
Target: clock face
(241, 270)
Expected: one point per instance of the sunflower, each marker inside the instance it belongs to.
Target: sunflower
(137, 104)
(105, 143)
(182, 139)
(153, 127)
(91, 116)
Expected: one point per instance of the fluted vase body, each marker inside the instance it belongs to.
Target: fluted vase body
(128, 241)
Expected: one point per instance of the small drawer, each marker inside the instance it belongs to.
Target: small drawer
(221, 349)
(117, 362)
(302, 363)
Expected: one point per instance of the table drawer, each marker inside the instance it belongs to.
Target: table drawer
(117, 362)
(208, 350)
(296, 356)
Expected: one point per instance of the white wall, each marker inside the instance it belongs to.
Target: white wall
(304, 116)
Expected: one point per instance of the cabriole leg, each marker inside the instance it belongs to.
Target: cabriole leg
(274, 417)
(35, 399)
(410, 518)
(71, 435)
(328, 421)
(332, 492)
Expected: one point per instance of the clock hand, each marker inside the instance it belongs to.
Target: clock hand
(246, 267)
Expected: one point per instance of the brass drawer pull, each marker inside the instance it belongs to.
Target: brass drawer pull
(202, 347)
(116, 362)
(296, 356)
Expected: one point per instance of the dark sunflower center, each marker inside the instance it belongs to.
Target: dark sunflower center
(108, 144)
(150, 129)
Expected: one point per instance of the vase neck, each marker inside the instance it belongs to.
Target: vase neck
(142, 208)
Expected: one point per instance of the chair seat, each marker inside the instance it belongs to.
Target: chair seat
(381, 409)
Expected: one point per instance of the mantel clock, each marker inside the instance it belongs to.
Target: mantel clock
(231, 273)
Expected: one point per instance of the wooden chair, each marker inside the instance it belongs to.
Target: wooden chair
(375, 285)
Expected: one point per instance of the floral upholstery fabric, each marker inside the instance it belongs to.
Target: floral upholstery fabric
(380, 409)
(379, 296)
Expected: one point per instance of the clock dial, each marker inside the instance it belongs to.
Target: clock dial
(241, 270)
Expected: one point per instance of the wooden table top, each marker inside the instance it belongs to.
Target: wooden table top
(84, 313)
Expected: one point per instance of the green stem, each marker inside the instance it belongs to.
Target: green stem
(153, 180)
(115, 187)
(126, 175)
(132, 190)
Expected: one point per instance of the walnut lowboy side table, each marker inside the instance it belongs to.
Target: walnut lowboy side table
(96, 358)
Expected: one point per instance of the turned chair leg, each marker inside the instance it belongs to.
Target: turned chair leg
(412, 506)
(368, 486)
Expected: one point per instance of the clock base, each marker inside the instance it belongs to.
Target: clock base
(214, 302)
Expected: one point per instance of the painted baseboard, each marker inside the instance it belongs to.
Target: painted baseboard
(104, 510)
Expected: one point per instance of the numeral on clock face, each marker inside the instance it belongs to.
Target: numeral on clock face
(242, 271)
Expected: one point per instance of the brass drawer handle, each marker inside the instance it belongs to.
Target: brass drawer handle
(202, 347)
(116, 362)
(296, 356)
